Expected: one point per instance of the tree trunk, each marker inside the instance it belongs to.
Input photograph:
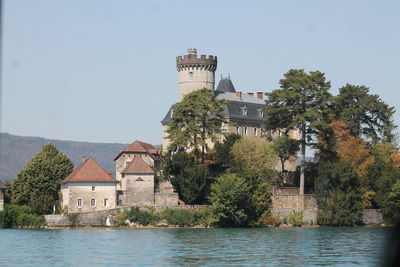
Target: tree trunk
(302, 160)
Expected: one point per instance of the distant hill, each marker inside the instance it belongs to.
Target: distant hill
(15, 151)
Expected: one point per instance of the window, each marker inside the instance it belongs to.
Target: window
(93, 202)
(237, 130)
(255, 131)
(191, 75)
(80, 202)
(127, 163)
(93, 189)
(245, 130)
(244, 111)
(260, 113)
(106, 202)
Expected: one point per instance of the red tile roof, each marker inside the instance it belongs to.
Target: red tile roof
(138, 165)
(139, 147)
(89, 171)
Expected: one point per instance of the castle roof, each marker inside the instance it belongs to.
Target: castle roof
(138, 147)
(236, 102)
(89, 171)
(226, 85)
(136, 166)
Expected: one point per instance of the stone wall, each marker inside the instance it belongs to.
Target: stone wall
(104, 218)
(372, 216)
(286, 200)
(166, 199)
(1, 200)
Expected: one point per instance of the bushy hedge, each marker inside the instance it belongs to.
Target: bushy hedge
(14, 216)
(181, 217)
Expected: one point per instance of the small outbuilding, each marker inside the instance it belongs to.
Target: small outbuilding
(88, 188)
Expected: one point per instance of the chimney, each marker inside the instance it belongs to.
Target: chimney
(110, 172)
(83, 159)
(239, 94)
(192, 51)
(260, 95)
(250, 94)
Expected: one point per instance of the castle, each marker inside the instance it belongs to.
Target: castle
(90, 188)
(243, 112)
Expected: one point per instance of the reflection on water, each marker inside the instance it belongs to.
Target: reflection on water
(324, 246)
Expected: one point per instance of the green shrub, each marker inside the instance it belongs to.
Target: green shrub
(296, 218)
(338, 194)
(15, 216)
(142, 217)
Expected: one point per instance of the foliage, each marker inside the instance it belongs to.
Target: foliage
(196, 119)
(285, 147)
(302, 103)
(142, 217)
(338, 194)
(183, 217)
(223, 154)
(254, 156)
(366, 115)
(394, 196)
(38, 183)
(382, 175)
(190, 178)
(14, 216)
(296, 218)
(230, 198)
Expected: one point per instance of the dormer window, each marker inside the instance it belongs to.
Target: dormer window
(244, 111)
(260, 113)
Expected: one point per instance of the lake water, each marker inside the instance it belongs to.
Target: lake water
(323, 246)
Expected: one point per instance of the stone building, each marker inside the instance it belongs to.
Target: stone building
(88, 188)
(243, 112)
(134, 168)
(3, 188)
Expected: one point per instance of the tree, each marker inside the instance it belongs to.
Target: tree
(366, 115)
(190, 179)
(223, 155)
(230, 199)
(38, 183)
(195, 120)
(284, 147)
(302, 103)
(338, 194)
(253, 156)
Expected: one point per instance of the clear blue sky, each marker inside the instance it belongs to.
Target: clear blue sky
(104, 71)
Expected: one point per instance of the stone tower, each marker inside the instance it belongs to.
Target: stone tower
(195, 72)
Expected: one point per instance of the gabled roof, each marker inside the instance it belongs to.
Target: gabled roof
(2, 186)
(138, 147)
(89, 171)
(226, 85)
(138, 165)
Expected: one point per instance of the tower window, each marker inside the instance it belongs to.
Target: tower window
(93, 189)
(191, 75)
(106, 202)
(244, 111)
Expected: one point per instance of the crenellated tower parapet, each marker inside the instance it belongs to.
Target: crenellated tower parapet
(195, 72)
